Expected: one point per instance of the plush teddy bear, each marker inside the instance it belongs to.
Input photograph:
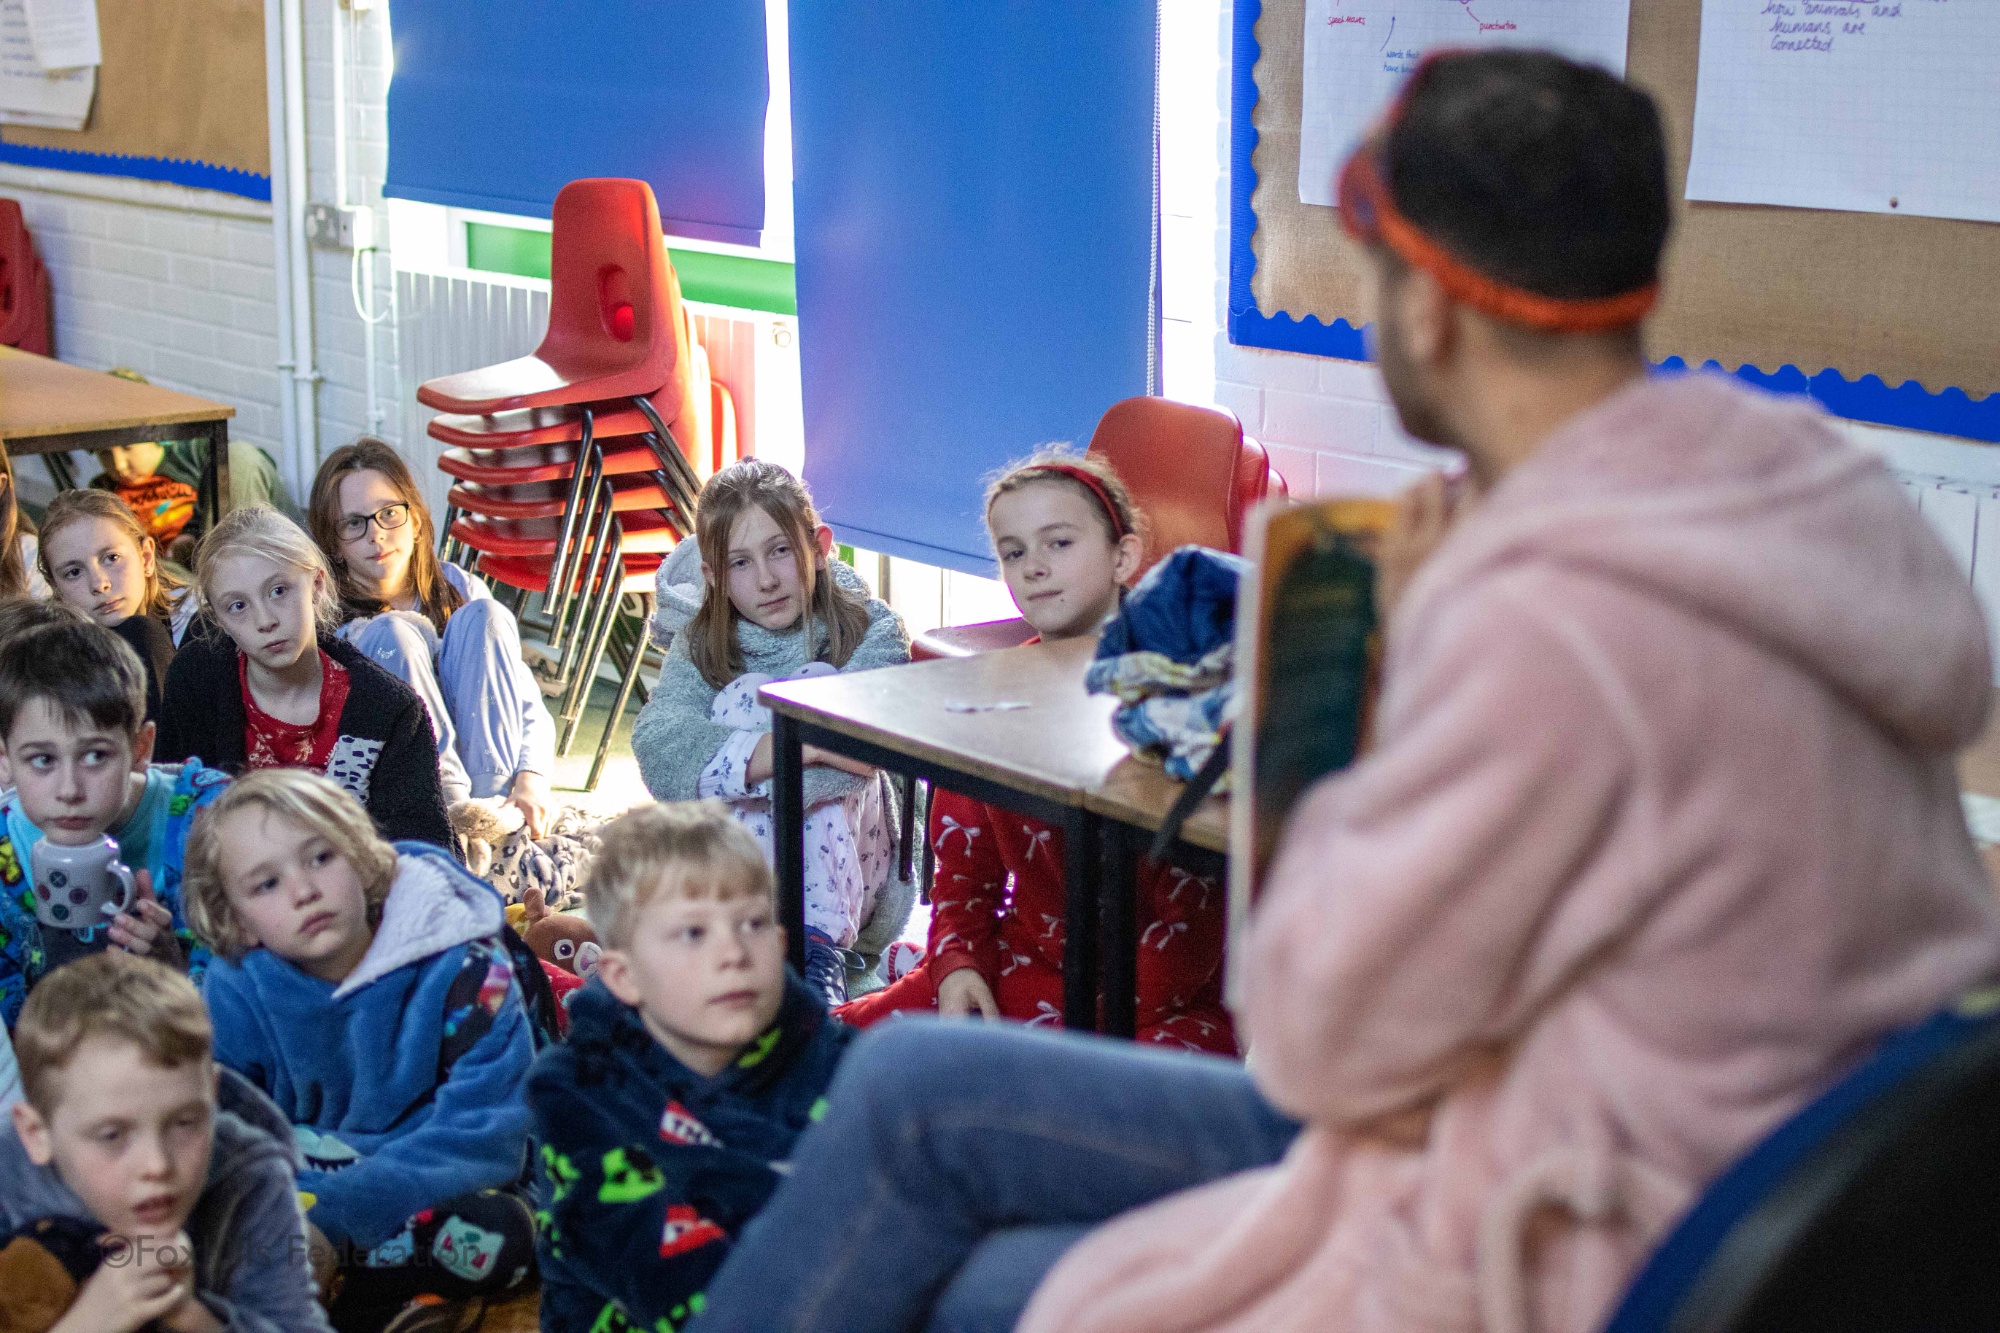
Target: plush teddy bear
(563, 941)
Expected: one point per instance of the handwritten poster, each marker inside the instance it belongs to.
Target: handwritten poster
(1873, 108)
(1358, 52)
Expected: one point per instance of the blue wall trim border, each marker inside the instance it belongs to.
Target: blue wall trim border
(1909, 405)
(173, 171)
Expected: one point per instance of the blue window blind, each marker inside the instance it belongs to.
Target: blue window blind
(497, 104)
(973, 200)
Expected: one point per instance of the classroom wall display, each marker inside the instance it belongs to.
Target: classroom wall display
(497, 104)
(1883, 318)
(973, 202)
(180, 98)
(1877, 108)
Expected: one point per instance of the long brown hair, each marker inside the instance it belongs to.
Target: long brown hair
(435, 594)
(1060, 463)
(13, 569)
(840, 613)
(75, 506)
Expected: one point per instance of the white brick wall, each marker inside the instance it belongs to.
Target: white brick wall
(180, 285)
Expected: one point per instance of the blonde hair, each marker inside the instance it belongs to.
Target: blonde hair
(1049, 464)
(163, 586)
(262, 530)
(110, 994)
(300, 797)
(729, 494)
(694, 849)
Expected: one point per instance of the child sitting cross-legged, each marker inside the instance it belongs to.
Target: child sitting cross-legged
(139, 1188)
(754, 596)
(278, 688)
(369, 991)
(1068, 539)
(77, 750)
(694, 1060)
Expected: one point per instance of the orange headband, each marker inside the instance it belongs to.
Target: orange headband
(1368, 213)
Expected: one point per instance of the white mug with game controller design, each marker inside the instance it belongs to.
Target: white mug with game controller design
(79, 887)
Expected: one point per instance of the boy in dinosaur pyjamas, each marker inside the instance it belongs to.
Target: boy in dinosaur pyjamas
(694, 1061)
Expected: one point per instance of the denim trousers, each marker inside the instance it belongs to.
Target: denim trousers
(959, 1159)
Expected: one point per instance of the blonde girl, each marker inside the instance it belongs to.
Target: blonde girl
(100, 562)
(1068, 540)
(273, 687)
(755, 596)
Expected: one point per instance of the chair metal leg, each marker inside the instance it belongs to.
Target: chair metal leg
(580, 482)
(574, 718)
(634, 662)
(572, 614)
(599, 581)
(906, 793)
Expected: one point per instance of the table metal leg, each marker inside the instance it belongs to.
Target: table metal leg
(215, 475)
(1082, 863)
(1120, 944)
(788, 815)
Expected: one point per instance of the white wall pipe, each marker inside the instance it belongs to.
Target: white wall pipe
(305, 375)
(283, 236)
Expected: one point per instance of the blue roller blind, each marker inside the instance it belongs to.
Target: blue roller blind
(497, 104)
(973, 199)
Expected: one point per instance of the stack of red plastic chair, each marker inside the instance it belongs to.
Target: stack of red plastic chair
(27, 315)
(576, 468)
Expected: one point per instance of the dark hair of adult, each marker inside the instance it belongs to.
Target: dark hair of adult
(84, 671)
(1545, 174)
(435, 594)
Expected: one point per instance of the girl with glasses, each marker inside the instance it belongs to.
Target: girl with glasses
(435, 627)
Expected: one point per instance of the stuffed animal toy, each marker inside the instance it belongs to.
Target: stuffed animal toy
(42, 1266)
(565, 944)
(483, 826)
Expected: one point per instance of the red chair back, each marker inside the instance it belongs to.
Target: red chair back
(1190, 471)
(24, 285)
(615, 321)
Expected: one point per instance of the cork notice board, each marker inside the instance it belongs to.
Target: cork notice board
(1885, 318)
(182, 84)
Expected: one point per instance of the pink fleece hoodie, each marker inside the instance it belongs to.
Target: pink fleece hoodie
(1660, 834)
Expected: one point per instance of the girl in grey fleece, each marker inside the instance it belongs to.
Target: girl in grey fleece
(694, 740)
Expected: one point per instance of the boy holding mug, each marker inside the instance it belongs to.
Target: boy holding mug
(87, 803)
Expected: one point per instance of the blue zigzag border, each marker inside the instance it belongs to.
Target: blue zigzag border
(174, 171)
(1909, 405)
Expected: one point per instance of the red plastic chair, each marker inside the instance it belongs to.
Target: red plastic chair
(26, 311)
(546, 499)
(615, 319)
(646, 532)
(1192, 473)
(548, 462)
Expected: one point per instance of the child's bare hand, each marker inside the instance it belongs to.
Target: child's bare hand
(1424, 515)
(815, 755)
(530, 795)
(965, 992)
(138, 1282)
(146, 928)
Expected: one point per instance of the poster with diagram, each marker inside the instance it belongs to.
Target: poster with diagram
(1358, 52)
(1873, 108)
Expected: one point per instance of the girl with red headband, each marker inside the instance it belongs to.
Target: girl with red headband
(1068, 541)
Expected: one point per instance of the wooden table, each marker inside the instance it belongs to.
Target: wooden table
(50, 407)
(1055, 760)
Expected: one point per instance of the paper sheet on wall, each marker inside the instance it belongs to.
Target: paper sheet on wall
(1875, 108)
(1358, 52)
(30, 94)
(65, 33)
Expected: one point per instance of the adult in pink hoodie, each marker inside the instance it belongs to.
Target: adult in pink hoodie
(1660, 831)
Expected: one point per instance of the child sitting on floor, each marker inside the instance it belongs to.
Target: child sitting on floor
(101, 563)
(436, 628)
(141, 1189)
(278, 688)
(1068, 540)
(755, 596)
(77, 750)
(370, 992)
(693, 1062)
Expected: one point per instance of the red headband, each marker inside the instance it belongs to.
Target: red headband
(1095, 485)
(1368, 213)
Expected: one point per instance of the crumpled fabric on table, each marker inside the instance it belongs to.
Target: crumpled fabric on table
(1168, 658)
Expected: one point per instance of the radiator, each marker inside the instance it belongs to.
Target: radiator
(448, 323)
(1967, 516)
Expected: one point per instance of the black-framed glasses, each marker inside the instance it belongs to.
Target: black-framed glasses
(388, 518)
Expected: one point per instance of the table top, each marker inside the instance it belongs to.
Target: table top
(1060, 747)
(39, 396)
